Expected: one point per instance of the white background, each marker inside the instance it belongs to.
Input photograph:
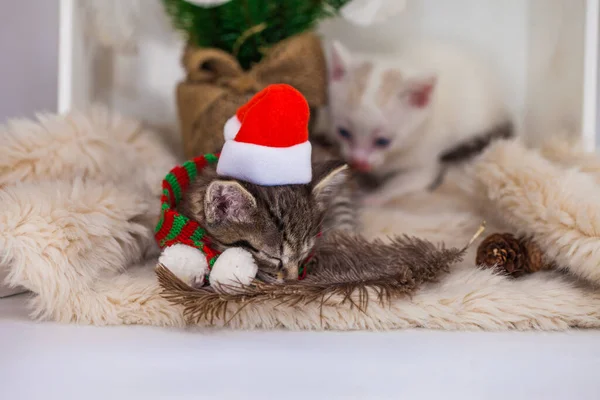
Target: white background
(536, 44)
(28, 57)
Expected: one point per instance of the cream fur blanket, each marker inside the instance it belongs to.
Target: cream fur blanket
(79, 199)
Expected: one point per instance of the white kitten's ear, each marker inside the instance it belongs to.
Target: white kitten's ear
(228, 201)
(340, 61)
(327, 182)
(418, 90)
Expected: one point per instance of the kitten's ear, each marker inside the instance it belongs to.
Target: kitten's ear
(327, 182)
(340, 61)
(418, 90)
(228, 201)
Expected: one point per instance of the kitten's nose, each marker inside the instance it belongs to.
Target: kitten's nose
(289, 272)
(360, 165)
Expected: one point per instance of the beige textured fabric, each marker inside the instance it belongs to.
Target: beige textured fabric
(78, 233)
(6, 290)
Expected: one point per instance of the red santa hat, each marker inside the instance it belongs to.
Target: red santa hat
(233, 124)
(269, 146)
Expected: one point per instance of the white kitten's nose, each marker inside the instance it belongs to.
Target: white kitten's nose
(359, 159)
(360, 165)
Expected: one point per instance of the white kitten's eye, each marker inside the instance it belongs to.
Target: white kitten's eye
(345, 133)
(382, 142)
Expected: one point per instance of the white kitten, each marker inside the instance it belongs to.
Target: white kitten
(394, 117)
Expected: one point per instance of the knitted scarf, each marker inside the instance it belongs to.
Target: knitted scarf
(174, 228)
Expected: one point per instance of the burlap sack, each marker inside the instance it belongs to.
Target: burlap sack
(216, 86)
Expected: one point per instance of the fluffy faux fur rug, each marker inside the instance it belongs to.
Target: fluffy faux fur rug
(80, 193)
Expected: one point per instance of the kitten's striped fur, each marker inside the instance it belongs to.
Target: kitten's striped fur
(343, 211)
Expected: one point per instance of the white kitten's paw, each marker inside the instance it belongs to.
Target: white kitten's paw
(234, 267)
(186, 262)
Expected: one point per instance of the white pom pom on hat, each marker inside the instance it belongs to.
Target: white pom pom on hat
(232, 127)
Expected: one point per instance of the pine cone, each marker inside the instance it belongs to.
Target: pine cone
(535, 257)
(514, 256)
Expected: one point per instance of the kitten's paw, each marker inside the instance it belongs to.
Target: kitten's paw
(235, 267)
(186, 262)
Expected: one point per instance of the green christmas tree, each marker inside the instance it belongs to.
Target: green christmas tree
(247, 28)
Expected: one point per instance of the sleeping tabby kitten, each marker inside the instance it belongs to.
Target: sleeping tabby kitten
(279, 225)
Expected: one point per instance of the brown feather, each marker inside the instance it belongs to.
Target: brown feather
(346, 268)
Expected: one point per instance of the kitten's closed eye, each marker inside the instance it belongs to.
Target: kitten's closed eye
(382, 142)
(253, 249)
(244, 244)
(345, 133)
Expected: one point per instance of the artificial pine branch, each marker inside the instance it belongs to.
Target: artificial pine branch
(222, 26)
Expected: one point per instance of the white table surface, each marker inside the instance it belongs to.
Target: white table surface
(53, 361)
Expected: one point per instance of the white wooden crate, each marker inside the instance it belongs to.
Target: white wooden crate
(546, 49)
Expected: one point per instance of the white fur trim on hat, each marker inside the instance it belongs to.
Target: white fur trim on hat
(234, 267)
(267, 166)
(186, 262)
(232, 127)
